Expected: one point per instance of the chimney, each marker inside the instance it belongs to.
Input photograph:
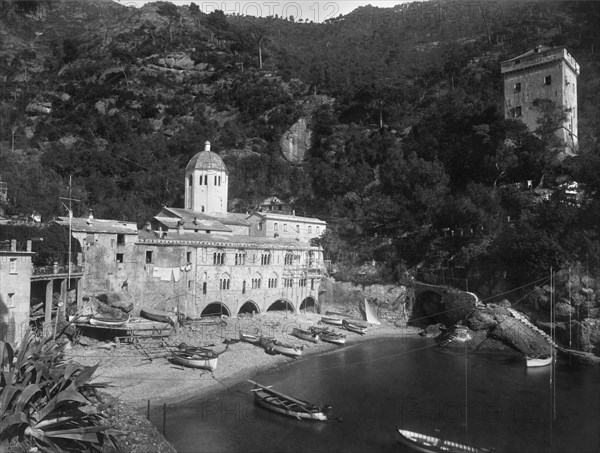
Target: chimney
(206, 145)
(180, 227)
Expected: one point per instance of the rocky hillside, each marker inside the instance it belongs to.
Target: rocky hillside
(386, 123)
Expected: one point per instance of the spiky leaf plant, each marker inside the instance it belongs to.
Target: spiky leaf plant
(48, 403)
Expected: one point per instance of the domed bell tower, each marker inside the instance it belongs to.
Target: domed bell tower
(206, 180)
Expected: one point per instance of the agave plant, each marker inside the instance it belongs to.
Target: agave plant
(48, 403)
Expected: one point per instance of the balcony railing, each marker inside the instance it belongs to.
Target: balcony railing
(46, 270)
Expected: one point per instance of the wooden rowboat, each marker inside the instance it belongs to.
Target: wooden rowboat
(202, 359)
(429, 444)
(158, 315)
(305, 335)
(353, 327)
(249, 338)
(277, 402)
(333, 320)
(328, 335)
(106, 321)
(537, 361)
(279, 347)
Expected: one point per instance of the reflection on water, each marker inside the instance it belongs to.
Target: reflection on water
(489, 400)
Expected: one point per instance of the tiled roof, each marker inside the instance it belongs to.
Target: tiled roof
(206, 160)
(88, 225)
(234, 218)
(288, 218)
(214, 239)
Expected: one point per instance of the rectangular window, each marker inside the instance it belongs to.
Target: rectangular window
(120, 257)
(518, 112)
(120, 239)
(309, 229)
(189, 257)
(215, 180)
(298, 228)
(13, 266)
(317, 231)
(10, 303)
(149, 257)
(548, 80)
(219, 180)
(206, 180)
(285, 227)
(518, 87)
(275, 226)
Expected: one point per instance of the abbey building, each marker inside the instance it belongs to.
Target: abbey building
(202, 259)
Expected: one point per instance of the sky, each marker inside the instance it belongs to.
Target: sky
(307, 10)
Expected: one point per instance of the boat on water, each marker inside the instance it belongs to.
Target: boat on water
(538, 361)
(108, 321)
(305, 335)
(328, 335)
(430, 444)
(279, 347)
(204, 359)
(354, 327)
(280, 403)
(249, 338)
(158, 315)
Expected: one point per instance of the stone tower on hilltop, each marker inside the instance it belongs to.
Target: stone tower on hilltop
(206, 183)
(548, 74)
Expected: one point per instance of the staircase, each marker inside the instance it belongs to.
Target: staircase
(528, 323)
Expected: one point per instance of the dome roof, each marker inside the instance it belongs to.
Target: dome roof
(206, 160)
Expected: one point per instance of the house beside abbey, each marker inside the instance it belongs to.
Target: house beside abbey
(202, 259)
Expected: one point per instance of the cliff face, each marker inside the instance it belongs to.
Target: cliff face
(296, 141)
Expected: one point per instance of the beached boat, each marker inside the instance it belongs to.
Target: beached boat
(354, 327)
(108, 321)
(279, 347)
(305, 335)
(429, 444)
(277, 402)
(158, 315)
(538, 361)
(249, 338)
(204, 359)
(328, 335)
(333, 320)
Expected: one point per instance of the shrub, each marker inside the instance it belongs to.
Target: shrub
(47, 404)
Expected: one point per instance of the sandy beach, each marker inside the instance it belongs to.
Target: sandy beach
(135, 379)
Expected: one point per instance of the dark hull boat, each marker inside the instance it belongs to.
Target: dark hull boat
(356, 327)
(305, 335)
(158, 315)
(429, 444)
(330, 336)
(277, 402)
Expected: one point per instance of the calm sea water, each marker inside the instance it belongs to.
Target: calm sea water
(486, 400)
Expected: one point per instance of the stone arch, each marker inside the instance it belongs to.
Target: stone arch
(249, 307)
(281, 305)
(216, 308)
(428, 306)
(309, 304)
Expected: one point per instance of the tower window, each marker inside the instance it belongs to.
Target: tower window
(190, 180)
(206, 180)
(548, 80)
(215, 180)
(219, 180)
(518, 87)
